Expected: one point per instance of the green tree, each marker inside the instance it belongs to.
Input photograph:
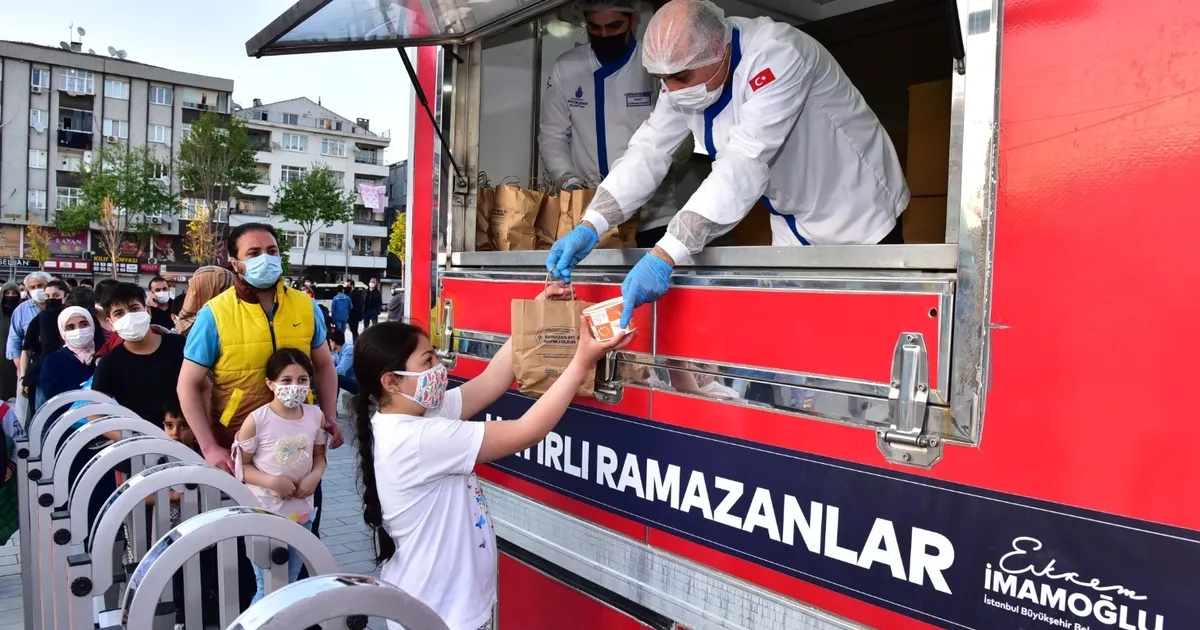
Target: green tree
(313, 201)
(216, 160)
(397, 238)
(37, 244)
(120, 192)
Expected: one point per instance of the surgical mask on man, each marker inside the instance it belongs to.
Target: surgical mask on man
(609, 49)
(133, 326)
(263, 271)
(162, 297)
(697, 97)
(38, 295)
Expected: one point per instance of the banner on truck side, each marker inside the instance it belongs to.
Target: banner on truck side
(951, 555)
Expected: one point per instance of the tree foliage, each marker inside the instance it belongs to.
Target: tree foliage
(216, 160)
(200, 242)
(313, 201)
(397, 239)
(121, 192)
(37, 243)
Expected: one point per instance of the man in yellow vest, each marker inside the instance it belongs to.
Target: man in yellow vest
(234, 335)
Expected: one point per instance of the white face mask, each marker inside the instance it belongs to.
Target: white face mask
(38, 295)
(162, 297)
(79, 338)
(291, 395)
(697, 97)
(133, 326)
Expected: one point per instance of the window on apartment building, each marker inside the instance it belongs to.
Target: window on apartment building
(293, 240)
(339, 178)
(160, 172)
(330, 124)
(288, 174)
(335, 148)
(37, 200)
(291, 119)
(116, 128)
(39, 119)
(185, 130)
(160, 95)
(78, 81)
(70, 163)
(116, 89)
(192, 207)
(294, 142)
(262, 115)
(331, 241)
(68, 197)
(75, 119)
(40, 78)
(160, 134)
(37, 158)
(362, 245)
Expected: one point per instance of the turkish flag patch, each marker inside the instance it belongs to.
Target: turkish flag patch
(761, 80)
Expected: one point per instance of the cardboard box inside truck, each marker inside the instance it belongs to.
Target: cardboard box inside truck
(927, 168)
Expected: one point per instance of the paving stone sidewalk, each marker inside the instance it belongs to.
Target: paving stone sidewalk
(342, 530)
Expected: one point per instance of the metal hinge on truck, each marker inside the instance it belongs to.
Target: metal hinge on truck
(907, 441)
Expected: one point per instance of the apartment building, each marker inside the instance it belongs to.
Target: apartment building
(397, 204)
(57, 107)
(294, 135)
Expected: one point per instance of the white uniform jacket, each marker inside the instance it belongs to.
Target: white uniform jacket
(590, 111)
(790, 128)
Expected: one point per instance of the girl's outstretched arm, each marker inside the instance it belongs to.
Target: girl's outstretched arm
(480, 392)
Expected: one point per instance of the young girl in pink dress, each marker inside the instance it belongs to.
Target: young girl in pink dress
(280, 449)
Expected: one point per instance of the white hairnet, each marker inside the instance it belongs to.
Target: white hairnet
(684, 34)
(624, 6)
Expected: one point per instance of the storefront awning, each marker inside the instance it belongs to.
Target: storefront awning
(333, 25)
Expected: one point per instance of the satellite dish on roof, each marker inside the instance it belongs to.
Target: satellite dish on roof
(64, 45)
(91, 51)
(121, 54)
(81, 31)
(112, 51)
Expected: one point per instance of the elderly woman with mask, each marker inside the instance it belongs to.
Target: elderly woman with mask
(69, 367)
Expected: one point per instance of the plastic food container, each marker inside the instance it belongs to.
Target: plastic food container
(605, 318)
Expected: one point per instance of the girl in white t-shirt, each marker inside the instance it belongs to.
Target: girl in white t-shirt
(417, 456)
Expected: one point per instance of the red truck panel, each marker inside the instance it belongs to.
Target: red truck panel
(532, 601)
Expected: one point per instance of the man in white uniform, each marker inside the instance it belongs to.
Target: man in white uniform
(596, 98)
(784, 125)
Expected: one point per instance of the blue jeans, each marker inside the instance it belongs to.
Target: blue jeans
(339, 326)
(294, 564)
(347, 382)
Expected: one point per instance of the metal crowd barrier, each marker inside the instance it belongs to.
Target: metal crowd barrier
(330, 598)
(73, 566)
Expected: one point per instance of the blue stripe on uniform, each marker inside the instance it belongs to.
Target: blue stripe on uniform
(605, 71)
(714, 110)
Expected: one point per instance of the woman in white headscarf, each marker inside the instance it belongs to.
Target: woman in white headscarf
(72, 365)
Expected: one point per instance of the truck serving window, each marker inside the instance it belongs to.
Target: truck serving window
(901, 55)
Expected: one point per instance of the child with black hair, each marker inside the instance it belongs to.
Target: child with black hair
(279, 452)
(417, 455)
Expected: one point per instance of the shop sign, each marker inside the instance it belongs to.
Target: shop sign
(125, 264)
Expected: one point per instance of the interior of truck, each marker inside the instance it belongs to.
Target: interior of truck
(899, 54)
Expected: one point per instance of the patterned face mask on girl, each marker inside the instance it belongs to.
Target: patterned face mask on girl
(291, 395)
(431, 386)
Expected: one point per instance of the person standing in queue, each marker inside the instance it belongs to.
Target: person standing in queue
(235, 333)
(160, 303)
(143, 372)
(42, 338)
(372, 304)
(8, 370)
(783, 123)
(395, 308)
(596, 98)
(35, 288)
(357, 299)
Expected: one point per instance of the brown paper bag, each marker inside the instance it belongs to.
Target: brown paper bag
(485, 201)
(573, 204)
(545, 334)
(546, 226)
(516, 210)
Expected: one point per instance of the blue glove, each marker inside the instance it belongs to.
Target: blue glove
(573, 187)
(647, 282)
(569, 250)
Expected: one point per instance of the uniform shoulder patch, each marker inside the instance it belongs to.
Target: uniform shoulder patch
(761, 80)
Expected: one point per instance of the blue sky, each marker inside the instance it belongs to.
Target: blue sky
(209, 38)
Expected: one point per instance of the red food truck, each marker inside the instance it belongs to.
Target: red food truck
(971, 430)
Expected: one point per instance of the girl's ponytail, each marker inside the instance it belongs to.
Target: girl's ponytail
(372, 509)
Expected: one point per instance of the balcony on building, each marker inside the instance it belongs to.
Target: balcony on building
(253, 206)
(260, 140)
(75, 129)
(368, 156)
